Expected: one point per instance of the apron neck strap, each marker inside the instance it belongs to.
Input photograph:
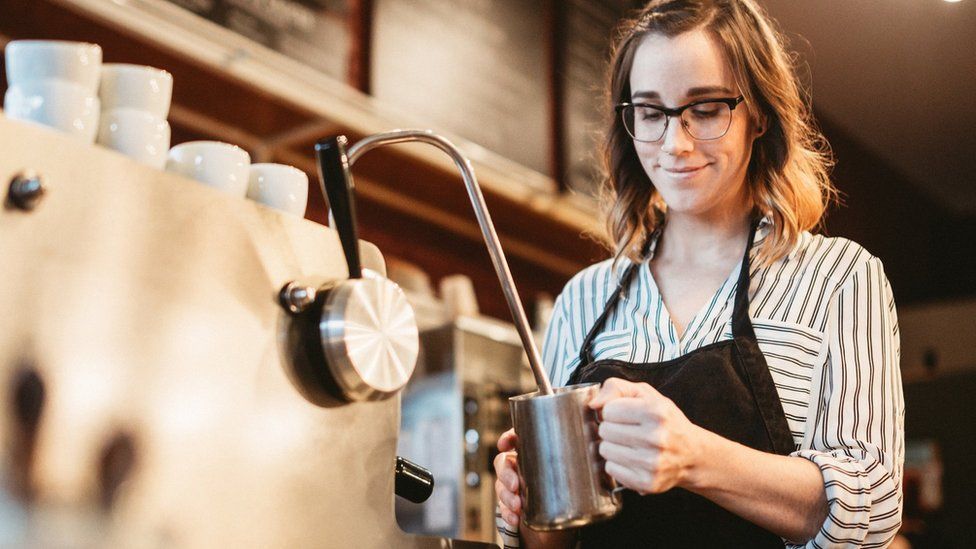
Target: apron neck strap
(585, 356)
(741, 325)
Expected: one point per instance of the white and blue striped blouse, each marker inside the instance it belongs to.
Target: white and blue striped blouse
(826, 322)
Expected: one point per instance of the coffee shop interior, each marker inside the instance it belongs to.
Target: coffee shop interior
(155, 387)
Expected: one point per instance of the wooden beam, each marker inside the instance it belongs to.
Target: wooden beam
(361, 46)
(555, 23)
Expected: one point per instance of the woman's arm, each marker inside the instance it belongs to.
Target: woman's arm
(651, 447)
(856, 430)
(784, 495)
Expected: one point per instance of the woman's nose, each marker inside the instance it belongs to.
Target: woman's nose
(676, 139)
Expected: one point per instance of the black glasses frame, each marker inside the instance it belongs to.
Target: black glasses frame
(676, 112)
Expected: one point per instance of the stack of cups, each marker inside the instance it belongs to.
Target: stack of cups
(54, 83)
(228, 168)
(135, 101)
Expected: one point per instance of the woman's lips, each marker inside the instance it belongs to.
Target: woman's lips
(684, 171)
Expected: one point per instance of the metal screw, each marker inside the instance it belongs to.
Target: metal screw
(296, 298)
(26, 189)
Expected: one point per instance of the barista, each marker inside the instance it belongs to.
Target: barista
(751, 393)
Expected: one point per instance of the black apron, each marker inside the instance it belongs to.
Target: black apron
(724, 387)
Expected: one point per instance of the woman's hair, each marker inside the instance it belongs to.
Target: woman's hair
(788, 174)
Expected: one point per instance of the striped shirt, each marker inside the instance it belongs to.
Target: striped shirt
(825, 321)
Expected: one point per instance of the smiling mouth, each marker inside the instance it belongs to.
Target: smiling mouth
(682, 170)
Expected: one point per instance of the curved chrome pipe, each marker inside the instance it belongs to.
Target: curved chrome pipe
(487, 230)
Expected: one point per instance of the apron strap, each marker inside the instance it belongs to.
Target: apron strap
(741, 325)
(754, 363)
(586, 356)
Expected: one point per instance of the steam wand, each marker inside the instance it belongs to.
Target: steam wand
(487, 230)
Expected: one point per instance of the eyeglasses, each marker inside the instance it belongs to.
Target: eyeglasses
(703, 120)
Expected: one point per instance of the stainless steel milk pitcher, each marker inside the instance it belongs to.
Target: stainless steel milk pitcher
(561, 474)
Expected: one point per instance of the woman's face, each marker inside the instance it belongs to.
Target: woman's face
(694, 177)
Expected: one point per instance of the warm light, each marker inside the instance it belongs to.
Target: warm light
(953, 1)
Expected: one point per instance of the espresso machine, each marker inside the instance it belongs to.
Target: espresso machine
(178, 366)
(454, 409)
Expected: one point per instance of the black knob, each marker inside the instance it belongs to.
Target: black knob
(412, 482)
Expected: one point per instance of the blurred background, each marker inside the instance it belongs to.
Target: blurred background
(517, 85)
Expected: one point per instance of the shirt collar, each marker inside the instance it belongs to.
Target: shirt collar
(762, 231)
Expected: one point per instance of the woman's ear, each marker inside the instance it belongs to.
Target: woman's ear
(760, 128)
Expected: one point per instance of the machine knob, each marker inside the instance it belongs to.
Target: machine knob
(412, 482)
(25, 190)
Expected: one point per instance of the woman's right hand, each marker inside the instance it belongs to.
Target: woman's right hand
(507, 481)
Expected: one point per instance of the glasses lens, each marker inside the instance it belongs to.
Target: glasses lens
(644, 123)
(707, 120)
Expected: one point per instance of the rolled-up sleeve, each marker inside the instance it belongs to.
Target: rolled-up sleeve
(857, 434)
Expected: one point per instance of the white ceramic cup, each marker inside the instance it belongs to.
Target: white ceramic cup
(34, 60)
(137, 87)
(57, 104)
(279, 186)
(213, 163)
(136, 134)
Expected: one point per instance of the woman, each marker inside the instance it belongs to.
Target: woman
(768, 411)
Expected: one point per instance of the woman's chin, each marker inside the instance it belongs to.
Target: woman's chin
(689, 203)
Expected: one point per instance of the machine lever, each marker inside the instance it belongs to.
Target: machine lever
(412, 482)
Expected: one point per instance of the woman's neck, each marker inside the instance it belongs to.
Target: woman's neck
(694, 239)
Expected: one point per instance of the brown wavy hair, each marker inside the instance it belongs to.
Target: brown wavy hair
(788, 174)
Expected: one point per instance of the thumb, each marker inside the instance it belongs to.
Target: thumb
(507, 441)
(614, 388)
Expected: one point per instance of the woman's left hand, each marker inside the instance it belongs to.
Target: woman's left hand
(648, 443)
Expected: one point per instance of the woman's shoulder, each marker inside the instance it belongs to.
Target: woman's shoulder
(594, 282)
(833, 258)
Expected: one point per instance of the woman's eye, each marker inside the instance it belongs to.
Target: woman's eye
(705, 111)
(651, 115)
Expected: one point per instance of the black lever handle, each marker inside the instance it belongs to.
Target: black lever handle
(412, 482)
(338, 186)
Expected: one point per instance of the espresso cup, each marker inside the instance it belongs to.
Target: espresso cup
(58, 104)
(562, 479)
(136, 134)
(138, 87)
(213, 163)
(35, 60)
(279, 186)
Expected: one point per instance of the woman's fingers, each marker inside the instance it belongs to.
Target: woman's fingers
(611, 389)
(638, 459)
(507, 441)
(507, 487)
(511, 501)
(645, 435)
(506, 469)
(510, 518)
(632, 410)
(615, 388)
(637, 480)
